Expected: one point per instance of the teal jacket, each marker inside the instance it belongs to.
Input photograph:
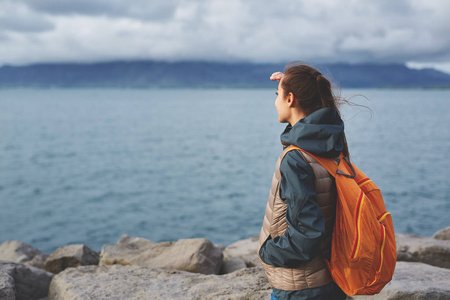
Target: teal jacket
(320, 133)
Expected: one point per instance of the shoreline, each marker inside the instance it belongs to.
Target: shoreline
(138, 268)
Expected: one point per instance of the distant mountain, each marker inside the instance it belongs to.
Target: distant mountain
(137, 74)
(386, 75)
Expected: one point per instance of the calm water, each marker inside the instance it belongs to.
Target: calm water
(86, 166)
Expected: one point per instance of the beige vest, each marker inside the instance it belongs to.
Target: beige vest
(313, 273)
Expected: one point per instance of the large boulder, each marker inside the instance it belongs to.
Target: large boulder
(443, 234)
(192, 255)
(29, 282)
(423, 249)
(7, 288)
(19, 252)
(134, 282)
(71, 256)
(416, 281)
(245, 250)
(125, 251)
(232, 264)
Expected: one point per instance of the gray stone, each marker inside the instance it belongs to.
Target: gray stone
(29, 282)
(19, 252)
(443, 234)
(415, 281)
(220, 247)
(423, 249)
(7, 289)
(71, 256)
(245, 250)
(232, 264)
(134, 282)
(125, 251)
(192, 255)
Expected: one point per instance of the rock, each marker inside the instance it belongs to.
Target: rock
(29, 282)
(423, 249)
(417, 281)
(443, 234)
(7, 289)
(19, 252)
(135, 282)
(232, 264)
(220, 247)
(71, 256)
(245, 250)
(192, 255)
(125, 251)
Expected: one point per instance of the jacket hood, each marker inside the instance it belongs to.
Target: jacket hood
(320, 133)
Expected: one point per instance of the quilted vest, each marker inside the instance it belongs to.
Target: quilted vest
(309, 274)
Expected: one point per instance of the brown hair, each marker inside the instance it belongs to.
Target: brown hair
(312, 91)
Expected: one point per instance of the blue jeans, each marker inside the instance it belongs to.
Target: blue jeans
(273, 297)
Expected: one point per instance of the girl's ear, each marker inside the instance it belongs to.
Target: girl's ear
(291, 100)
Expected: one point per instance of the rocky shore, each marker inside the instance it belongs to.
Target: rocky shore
(136, 268)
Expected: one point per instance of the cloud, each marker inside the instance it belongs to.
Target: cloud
(19, 18)
(140, 9)
(234, 30)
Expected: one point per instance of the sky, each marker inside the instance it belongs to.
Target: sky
(414, 32)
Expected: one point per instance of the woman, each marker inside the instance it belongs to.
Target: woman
(297, 229)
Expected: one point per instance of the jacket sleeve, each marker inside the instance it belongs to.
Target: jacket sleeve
(301, 242)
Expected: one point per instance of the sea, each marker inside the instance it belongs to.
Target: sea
(90, 165)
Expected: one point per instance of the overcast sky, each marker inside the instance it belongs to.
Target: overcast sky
(416, 32)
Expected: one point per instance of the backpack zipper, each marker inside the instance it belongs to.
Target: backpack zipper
(383, 237)
(356, 245)
(364, 181)
(381, 217)
(383, 240)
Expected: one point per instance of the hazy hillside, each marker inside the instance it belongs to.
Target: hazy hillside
(206, 74)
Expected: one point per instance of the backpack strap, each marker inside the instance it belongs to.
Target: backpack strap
(280, 159)
(339, 171)
(331, 165)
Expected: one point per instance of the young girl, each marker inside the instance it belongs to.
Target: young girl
(297, 228)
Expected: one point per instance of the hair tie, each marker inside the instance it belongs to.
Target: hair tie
(316, 74)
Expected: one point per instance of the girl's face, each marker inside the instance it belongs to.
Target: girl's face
(281, 104)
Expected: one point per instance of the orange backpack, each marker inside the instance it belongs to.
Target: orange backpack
(363, 250)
